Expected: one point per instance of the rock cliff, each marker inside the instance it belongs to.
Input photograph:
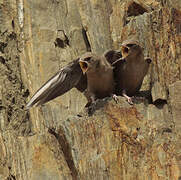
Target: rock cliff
(60, 140)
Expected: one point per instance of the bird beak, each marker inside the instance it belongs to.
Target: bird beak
(124, 51)
(83, 66)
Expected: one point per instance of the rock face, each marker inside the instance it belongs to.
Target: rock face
(60, 140)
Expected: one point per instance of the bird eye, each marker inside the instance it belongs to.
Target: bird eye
(130, 45)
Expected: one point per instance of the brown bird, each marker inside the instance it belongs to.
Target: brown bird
(130, 70)
(100, 78)
(93, 75)
(90, 74)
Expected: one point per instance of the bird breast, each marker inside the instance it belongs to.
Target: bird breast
(131, 76)
(101, 84)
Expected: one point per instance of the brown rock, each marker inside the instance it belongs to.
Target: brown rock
(118, 141)
(175, 101)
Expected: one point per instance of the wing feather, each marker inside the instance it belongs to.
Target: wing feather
(112, 55)
(64, 80)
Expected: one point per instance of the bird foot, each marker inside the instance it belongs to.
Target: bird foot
(115, 97)
(129, 99)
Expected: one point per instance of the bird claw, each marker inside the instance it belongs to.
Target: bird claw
(115, 97)
(130, 101)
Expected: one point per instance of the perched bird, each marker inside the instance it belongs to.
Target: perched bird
(100, 77)
(130, 70)
(115, 72)
(90, 74)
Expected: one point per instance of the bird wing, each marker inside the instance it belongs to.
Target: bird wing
(119, 62)
(112, 55)
(64, 80)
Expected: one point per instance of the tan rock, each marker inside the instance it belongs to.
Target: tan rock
(175, 101)
(59, 140)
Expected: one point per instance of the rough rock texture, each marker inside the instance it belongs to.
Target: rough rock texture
(60, 140)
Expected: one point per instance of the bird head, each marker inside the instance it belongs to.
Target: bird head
(88, 62)
(130, 48)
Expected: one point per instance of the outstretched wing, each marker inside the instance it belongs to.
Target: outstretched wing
(64, 80)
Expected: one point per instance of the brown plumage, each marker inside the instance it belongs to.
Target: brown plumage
(90, 74)
(100, 78)
(95, 77)
(130, 70)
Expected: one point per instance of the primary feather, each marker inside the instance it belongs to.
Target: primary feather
(71, 76)
(60, 83)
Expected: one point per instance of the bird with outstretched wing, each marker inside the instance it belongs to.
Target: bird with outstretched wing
(70, 76)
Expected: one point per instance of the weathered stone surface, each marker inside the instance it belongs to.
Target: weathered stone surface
(60, 140)
(175, 101)
(121, 142)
